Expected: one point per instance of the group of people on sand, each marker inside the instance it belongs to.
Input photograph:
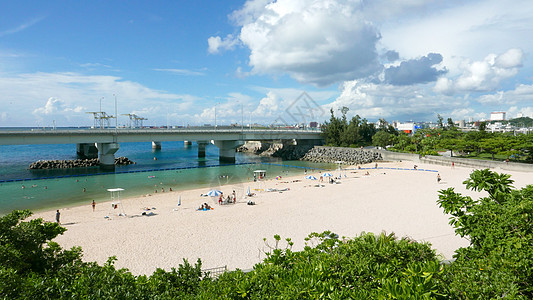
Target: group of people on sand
(205, 206)
(232, 199)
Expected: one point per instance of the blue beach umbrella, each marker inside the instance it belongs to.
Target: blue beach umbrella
(310, 177)
(214, 193)
(326, 174)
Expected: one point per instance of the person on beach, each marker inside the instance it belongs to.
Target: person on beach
(57, 217)
(438, 178)
(94, 205)
(234, 196)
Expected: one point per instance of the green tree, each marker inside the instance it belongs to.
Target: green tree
(450, 123)
(333, 130)
(367, 130)
(493, 145)
(26, 247)
(439, 121)
(382, 139)
(497, 264)
(483, 126)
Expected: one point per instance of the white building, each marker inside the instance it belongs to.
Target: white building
(497, 116)
(406, 127)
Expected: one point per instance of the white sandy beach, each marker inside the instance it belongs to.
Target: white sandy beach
(399, 201)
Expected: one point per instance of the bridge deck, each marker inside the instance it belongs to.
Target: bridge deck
(121, 135)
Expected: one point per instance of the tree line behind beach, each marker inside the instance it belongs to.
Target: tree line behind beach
(477, 144)
(497, 264)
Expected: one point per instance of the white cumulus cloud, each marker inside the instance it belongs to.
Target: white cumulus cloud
(269, 106)
(522, 94)
(215, 43)
(70, 95)
(374, 101)
(314, 41)
(56, 106)
(482, 76)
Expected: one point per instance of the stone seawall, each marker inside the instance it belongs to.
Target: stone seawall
(458, 161)
(76, 163)
(322, 154)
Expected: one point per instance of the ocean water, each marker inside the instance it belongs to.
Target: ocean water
(176, 166)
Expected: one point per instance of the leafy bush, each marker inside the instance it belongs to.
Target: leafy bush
(498, 263)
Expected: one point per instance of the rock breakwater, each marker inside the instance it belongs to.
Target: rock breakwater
(76, 163)
(292, 152)
(322, 154)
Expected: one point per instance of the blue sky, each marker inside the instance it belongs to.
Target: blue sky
(176, 62)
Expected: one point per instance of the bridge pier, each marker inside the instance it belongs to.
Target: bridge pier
(226, 150)
(87, 150)
(106, 153)
(156, 145)
(201, 148)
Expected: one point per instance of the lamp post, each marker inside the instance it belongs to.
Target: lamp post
(116, 114)
(216, 115)
(100, 113)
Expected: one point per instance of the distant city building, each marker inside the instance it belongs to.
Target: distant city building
(406, 127)
(497, 116)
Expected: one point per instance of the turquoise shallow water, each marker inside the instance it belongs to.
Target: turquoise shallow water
(192, 172)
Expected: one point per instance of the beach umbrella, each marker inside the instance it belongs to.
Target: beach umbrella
(326, 174)
(310, 177)
(214, 193)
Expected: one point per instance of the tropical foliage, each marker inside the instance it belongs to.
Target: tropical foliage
(497, 264)
(340, 132)
(472, 144)
(356, 132)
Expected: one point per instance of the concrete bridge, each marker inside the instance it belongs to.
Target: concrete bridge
(105, 142)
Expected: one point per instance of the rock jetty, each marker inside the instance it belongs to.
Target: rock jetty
(292, 152)
(322, 154)
(76, 163)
